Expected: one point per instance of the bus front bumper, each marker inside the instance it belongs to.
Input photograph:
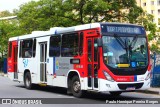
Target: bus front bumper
(106, 85)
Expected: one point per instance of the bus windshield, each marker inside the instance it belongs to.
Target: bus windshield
(125, 51)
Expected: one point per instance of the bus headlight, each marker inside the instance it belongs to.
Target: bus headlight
(148, 76)
(108, 77)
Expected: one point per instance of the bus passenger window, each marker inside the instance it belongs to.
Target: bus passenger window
(70, 45)
(34, 48)
(54, 47)
(81, 43)
(27, 48)
(10, 49)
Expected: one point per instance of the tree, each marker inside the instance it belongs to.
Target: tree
(43, 14)
(8, 28)
(40, 15)
(154, 48)
(134, 14)
(146, 20)
(5, 13)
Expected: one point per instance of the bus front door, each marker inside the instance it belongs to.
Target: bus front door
(92, 63)
(43, 62)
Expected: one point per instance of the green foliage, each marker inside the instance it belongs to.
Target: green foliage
(43, 14)
(154, 48)
(151, 36)
(8, 29)
(146, 20)
(39, 15)
(5, 13)
(134, 13)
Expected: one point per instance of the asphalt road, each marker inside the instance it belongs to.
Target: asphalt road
(10, 89)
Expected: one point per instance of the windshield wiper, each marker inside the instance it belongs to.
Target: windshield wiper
(133, 41)
(125, 44)
(120, 41)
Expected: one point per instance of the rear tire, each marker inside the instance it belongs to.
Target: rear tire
(115, 93)
(76, 87)
(27, 81)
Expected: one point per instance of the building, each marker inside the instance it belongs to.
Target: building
(151, 7)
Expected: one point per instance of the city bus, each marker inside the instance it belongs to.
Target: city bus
(97, 57)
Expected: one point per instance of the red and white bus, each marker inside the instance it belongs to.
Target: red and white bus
(100, 57)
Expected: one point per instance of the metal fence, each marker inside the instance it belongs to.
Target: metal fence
(155, 78)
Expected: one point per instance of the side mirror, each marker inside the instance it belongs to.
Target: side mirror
(99, 42)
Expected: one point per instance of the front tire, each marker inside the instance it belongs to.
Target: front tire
(115, 93)
(76, 87)
(27, 81)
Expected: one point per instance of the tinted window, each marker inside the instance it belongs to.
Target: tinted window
(10, 49)
(69, 45)
(27, 48)
(34, 48)
(81, 43)
(95, 50)
(54, 49)
(20, 49)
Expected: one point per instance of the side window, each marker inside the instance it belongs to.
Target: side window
(27, 48)
(69, 45)
(10, 49)
(20, 49)
(81, 43)
(34, 48)
(95, 50)
(54, 49)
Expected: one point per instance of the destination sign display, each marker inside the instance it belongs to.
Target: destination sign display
(122, 29)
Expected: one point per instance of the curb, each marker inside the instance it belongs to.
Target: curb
(1, 74)
(149, 92)
(4, 75)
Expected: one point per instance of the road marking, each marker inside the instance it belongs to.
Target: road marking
(65, 96)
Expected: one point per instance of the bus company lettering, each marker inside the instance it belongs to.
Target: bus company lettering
(121, 79)
(63, 65)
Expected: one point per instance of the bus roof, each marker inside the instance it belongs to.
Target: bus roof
(59, 30)
(117, 23)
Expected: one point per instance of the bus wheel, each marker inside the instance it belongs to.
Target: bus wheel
(115, 93)
(27, 81)
(76, 87)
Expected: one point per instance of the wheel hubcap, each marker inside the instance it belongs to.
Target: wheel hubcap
(27, 82)
(76, 86)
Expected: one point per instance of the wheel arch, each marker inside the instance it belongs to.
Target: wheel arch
(71, 74)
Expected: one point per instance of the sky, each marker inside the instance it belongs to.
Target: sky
(12, 4)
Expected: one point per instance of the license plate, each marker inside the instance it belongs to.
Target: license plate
(130, 88)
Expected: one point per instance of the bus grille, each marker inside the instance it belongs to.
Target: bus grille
(125, 86)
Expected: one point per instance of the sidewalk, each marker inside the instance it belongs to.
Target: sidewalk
(2, 74)
(151, 91)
